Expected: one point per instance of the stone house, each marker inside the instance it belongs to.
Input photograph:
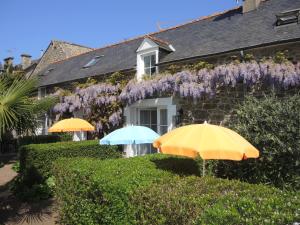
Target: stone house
(260, 28)
(55, 51)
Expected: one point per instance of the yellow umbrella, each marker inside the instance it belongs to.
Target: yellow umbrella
(208, 141)
(73, 124)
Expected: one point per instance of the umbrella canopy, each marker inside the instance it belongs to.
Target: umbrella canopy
(73, 124)
(130, 135)
(208, 141)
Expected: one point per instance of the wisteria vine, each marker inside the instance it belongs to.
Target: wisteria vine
(99, 103)
(102, 103)
(206, 81)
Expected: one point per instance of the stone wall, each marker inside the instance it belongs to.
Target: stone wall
(57, 51)
(220, 108)
(69, 85)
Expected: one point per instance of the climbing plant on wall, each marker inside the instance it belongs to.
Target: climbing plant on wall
(98, 102)
(196, 83)
(102, 103)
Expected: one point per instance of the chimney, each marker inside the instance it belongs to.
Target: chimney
(9, 61)
(26, 61)
(250, 5)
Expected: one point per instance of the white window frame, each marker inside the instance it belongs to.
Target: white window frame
(131, 113)
(157, 109)
(151, 66)
(159, 125)
(147, 47)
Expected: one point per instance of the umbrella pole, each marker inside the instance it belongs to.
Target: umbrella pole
(203, 168)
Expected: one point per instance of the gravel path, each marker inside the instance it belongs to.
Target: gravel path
(13, 212)
(7, 174)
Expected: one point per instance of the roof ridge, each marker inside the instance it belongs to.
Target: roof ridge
(153, 33)
(157, 39)
(70, 43)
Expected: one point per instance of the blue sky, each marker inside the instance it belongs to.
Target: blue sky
(27, 26)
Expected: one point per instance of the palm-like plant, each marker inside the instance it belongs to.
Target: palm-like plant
(18, 109)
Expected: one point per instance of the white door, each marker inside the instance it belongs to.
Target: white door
(162, 120)
(157, 120)
(147, 118)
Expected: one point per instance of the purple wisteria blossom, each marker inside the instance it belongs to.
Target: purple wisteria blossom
(90, 99)
(188, 84)
(205, 81)
(99, 94)
(115, 118)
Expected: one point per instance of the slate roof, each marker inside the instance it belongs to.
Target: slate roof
(161, 43)
(205, 36)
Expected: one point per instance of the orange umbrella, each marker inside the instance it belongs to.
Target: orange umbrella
(73, 124)
(208, 141)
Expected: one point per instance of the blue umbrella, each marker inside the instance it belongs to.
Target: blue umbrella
(130, 135)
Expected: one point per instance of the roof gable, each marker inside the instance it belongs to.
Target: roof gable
(146, 44)
(59, 50)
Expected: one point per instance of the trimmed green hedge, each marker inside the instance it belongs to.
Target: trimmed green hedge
(91, 191)
(36, 159)
(159, 189)
(195, 200)
(38, 139)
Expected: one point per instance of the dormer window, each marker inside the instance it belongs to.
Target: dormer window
(149, 53)
(288, 17)
(149, 64)
(93, 61)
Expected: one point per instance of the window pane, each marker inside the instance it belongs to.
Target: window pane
(148, 118)
(163, 130)
(144, 117)
(43, 92)
(154, 127)
(154, 117)
(93, 61)
(153, 70)
(147, 62)
(144, 149)
(147, 71)
(153, 60)
(163, 117)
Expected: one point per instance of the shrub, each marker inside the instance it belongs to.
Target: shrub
(34, 192)
(272, 125)
(159, 189)
(39, 139)
(194, 200)
(16, 167)
(36, 159)
(65, 136)
(90, 191)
